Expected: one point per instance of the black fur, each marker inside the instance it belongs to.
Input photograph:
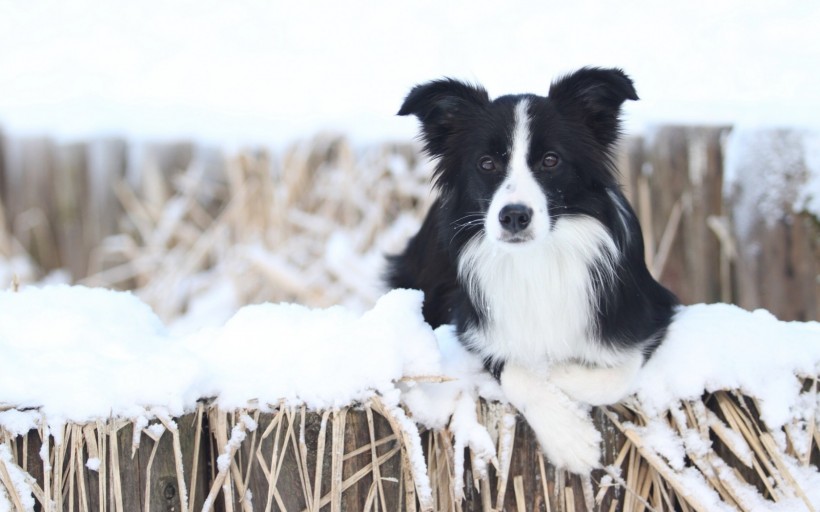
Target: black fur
(579, 120)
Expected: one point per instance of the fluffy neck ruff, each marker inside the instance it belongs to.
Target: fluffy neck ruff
(539, 301)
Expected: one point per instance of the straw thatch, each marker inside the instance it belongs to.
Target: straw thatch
(307, 228)
(286, 458)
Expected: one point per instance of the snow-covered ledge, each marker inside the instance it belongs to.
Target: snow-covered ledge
(86, 363)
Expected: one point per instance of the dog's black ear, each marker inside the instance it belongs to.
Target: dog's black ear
(597, 94)
(439, 105)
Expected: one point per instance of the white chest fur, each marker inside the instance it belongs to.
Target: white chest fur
(539, 298)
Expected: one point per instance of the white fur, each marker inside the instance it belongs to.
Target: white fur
(539, 297)
(623, 213)
(519, 186)
(597, 385)
(563, 428)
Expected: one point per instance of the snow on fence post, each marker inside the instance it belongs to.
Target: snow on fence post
(730, 215)
(773, 190)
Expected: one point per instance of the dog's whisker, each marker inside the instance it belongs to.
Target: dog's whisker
(474, 215)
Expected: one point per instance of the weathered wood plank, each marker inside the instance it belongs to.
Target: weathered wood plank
(630, 163)
(685, 184)
(123, 476)
(71, 190)
(31, 200)
(106, 165)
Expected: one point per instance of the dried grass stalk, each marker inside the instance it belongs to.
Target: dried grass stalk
(736, 454)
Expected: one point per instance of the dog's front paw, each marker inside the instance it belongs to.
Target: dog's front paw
(562, 426)
(579, 454)
(568, 438)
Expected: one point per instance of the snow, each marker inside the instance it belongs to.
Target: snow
(431, 403)
(770, 173)
(77, 354)
(80, 353)
(245, 71)
(72, 353)
(93, 464)
(720, 346)
(18, 481)
(289, 349)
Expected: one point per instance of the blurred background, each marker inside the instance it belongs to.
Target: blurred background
(211, 154)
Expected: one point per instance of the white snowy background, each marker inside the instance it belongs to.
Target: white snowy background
(254, 72)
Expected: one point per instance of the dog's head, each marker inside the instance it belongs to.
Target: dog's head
(513, 166)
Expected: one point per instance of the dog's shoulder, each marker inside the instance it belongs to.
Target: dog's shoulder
(426, 265)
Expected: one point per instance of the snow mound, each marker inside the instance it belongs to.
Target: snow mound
(71, 353)
(77, 354)
(323, 358)
(713, 347)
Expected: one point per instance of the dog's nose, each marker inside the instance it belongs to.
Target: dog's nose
(515, 217)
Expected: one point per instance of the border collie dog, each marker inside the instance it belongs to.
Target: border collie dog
(532, 251)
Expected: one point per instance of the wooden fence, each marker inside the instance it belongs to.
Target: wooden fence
(676, 183)
(287, 459)
(358, 459)
(65, 205)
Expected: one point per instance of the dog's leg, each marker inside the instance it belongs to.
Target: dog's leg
(563, 428)
(597, 385)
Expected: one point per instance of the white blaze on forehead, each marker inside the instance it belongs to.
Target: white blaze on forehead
(520, 145)
(519, 185)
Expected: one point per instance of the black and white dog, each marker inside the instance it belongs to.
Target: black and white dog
(532, 251)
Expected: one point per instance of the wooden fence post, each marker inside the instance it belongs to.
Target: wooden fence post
(71, 188)
(778, 244)
(685, 184)
(106, 165)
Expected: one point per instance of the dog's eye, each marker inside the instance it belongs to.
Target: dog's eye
(550, 160)
(486, 164)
